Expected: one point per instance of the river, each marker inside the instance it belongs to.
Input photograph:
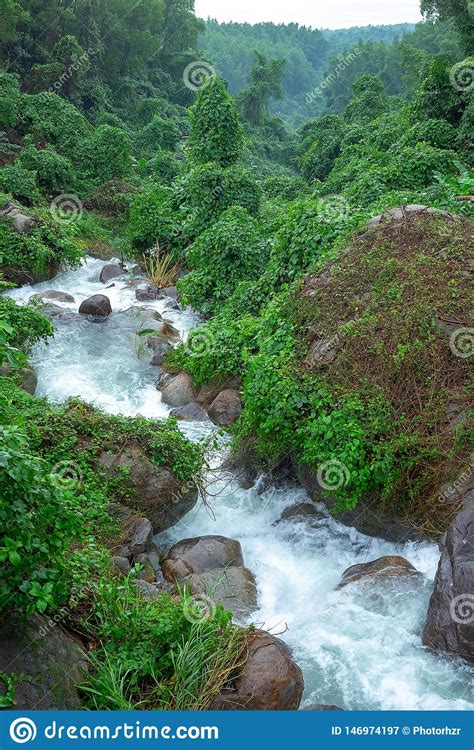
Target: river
(357, 649)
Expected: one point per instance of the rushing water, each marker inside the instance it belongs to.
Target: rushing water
(357, 649)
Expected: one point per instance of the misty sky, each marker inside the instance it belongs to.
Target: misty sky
(330, 14)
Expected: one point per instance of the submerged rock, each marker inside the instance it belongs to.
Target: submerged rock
(450, 621)
(52, 294)
(390, 566)
(269, 681)
(98, 305)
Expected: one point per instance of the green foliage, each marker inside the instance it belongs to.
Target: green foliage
(108, 154)
(26, 324)
(232, 249)
(37, 253)
(38, 523)
(216, 134)
(153, 220)
(210, 189)
(9, 99)
(53, 172)
(20, 182)
(264, 82)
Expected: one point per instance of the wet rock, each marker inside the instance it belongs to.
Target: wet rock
(26, 376)
(269, 681)
(146, 590)
(225, 408)
(147, 293)
(390, 566)
(159, 349)
(208, 392)
(179, 391)
(234, 588)
(170, 291)
(199, 554)
(140, 536)
(20, 221)
(301, 512)
(163, 380)
(160, 329)
(111, 271)
(97, 305)
(122, 564)
(190, 413)
(450, 621)
(47, 662)
(154, 490)
(52, 294)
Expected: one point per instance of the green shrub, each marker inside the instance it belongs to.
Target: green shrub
(38, 522)
(9, 99)
(216, 134)
(54, 173)
(152, 220)
(28, 326)
(21, 183)
(107, 154)
(232, 249)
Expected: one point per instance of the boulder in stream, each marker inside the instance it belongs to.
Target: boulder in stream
(97, 305)
(154, 490)
(390, 566)
(233, 587)
(199, 554)
(192, 412)
(450, 622)
(269, 681)
(179, 391)
(225, 408)
(111, 271)
(54, 294)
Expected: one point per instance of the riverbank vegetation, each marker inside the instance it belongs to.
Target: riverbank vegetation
(341, 336)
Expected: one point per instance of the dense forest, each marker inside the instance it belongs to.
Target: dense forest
(241, 163)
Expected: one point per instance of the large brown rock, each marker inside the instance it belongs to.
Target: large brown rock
(111, 271)
(450, 621)
(154, 490)
(233, 587)
(199, 554)
(179, 391)
(190, 413)
(46, 661)
(269, 681)
(98, 305)
(225, 408)
(390, 566)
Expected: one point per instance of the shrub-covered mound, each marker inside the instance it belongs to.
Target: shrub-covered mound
(366, 373)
